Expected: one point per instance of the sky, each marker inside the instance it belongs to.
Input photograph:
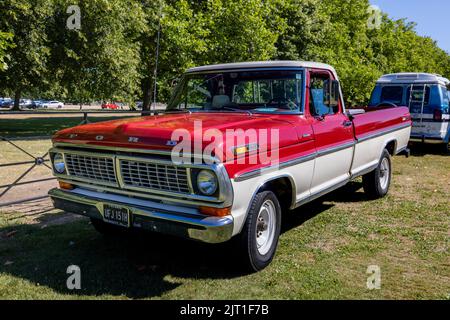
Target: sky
(432, 17)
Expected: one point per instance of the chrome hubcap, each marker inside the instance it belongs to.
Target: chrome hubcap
(265, 227)
(384, 174)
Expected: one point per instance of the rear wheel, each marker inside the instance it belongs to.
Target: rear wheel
(376, 183)
(259, 237)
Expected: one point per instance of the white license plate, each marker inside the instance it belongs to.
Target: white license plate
(116, 215)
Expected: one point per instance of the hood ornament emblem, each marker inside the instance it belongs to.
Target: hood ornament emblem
(73, 136)
(99, 138)
(133, 139)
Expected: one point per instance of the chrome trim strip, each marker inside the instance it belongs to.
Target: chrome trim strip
(189, 178)
(143, 151)
(322, 193)
(197, 201)
(363, 172)
(134, 201)
(258, 172)
(379, 134)
(327, 151)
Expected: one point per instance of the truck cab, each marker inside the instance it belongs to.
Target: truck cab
(427, 97)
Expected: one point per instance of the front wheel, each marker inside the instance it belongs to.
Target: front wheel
(376, 183)
(259, 237)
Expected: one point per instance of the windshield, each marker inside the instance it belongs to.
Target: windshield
(255, 91)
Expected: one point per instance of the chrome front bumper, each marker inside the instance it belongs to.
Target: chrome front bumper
(179, 221)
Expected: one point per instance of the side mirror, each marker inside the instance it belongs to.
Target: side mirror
(331, 93)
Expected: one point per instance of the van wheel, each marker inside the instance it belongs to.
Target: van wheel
(376, 183)
(259, 237)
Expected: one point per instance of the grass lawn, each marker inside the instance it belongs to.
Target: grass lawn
(324, 251)
(44, 126)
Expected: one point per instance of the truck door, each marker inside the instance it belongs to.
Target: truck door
(333, 133)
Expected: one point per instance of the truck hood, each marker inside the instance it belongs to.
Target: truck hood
(157, 132)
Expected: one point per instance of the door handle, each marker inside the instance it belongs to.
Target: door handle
(347, 124)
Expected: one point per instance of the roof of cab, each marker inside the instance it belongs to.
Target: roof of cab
(410, 77)
(264, 64)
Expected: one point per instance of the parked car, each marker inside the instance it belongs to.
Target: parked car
(52, 105)
(111, 106)
(139, 105)
(26, 103)
(6, 103)
(427, 97)
(125, 174)
(37, 104)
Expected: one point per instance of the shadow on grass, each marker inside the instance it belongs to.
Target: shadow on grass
(422, 149)
(299, 216)
(135, 265)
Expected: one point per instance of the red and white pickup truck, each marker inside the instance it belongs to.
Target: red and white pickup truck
(289, 140)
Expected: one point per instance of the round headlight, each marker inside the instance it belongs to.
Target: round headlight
(58, 163)
(207, 182)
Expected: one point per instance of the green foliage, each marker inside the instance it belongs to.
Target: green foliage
(5, 43)
(99, 61)
(29, 56)
(113, 56)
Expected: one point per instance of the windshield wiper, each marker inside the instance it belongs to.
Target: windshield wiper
(236, 110)
(171, 111)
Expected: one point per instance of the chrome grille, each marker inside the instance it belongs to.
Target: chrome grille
(154, 176)
(90, 167)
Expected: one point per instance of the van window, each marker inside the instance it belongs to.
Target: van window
(417, 96)
(393, 94)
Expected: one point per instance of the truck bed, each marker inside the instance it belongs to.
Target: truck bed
(375, 121)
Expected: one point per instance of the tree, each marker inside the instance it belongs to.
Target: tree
(113, 55)
(5, 43)
(25, 20)
(101, 59)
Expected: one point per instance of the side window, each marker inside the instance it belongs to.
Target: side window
(446, 95)
(417, 97)
(393, 94)
(317, 104)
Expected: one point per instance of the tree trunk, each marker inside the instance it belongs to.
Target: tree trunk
(17, 95)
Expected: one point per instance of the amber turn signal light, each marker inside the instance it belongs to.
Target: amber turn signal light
(66, 186)
(215, 212)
